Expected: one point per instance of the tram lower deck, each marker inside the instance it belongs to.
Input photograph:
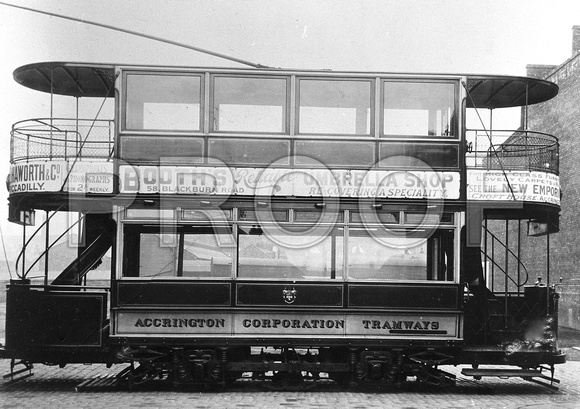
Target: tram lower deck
(195, 302)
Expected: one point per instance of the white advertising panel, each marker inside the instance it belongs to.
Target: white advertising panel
(54, 176)
(90, 177)
(36, 176)
(380, 184)
(495, 185)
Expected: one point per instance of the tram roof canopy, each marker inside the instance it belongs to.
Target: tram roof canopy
(97, 80)
(72, 79)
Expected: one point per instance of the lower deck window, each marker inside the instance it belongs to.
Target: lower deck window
(289, 254)
(183, 253)
(157, 255)
(382, 255)
(300, 253)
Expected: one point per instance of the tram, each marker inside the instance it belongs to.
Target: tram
(284, 225)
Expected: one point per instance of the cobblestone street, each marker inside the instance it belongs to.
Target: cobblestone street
(55, 387)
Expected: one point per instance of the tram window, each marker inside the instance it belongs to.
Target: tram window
(267, 213)
(289, 255)
(152, 214)
(418, 108)
(249, 104)
(335, 107)
(316, 216)
(206, 215)
(376, 217)
(335, 153)
(163, 102)
(379, 255)
(194, 252)
(207, 253)
(157, 255)
(423, 218)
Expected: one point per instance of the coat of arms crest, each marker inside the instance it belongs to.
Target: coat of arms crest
(289, 295)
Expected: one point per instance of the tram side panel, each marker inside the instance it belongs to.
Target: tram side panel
(56, 327)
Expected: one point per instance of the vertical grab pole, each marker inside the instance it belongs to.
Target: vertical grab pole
(526, 126)
(548, 267)
(77, 133)
(489, 275)
(485, 269)
(548, 256)
(46, 245)
(23, 245)
(51, 109)
(506, 275)
(519, 254)
(491, 132)
(81, 237)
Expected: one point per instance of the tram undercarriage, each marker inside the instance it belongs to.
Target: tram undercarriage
(285, 367)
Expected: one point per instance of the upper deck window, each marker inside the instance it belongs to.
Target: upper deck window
(249, 104)
(334, 107)
(418, 109)
(163, 102)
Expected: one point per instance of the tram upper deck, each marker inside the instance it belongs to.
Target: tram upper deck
(362, 127)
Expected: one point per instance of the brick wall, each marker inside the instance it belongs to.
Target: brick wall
(561, 118)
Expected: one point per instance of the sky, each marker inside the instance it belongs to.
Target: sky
(429, 36)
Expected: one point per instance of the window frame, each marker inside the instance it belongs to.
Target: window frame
(431, 265)
(124, 102)
(131, 238)
(454, 120)
(285, 109)
(372, 105)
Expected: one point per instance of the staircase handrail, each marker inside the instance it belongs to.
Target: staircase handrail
(32, 236)
(494, 237)
(48, 248)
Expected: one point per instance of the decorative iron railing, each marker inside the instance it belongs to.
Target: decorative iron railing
(512, 150)
(51, 139)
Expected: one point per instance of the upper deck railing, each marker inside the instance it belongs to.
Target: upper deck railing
(47, 139)
(512, 150)
(56, 138)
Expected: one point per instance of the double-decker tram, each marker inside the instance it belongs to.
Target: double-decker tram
(285, 225)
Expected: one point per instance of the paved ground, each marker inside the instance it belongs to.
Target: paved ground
(52, 387)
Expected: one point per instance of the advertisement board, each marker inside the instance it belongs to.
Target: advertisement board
(525, 186)
(289, 182)
(62, 175)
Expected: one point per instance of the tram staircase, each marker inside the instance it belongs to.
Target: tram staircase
(509, 307)
(99, 233)
(66, 321)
